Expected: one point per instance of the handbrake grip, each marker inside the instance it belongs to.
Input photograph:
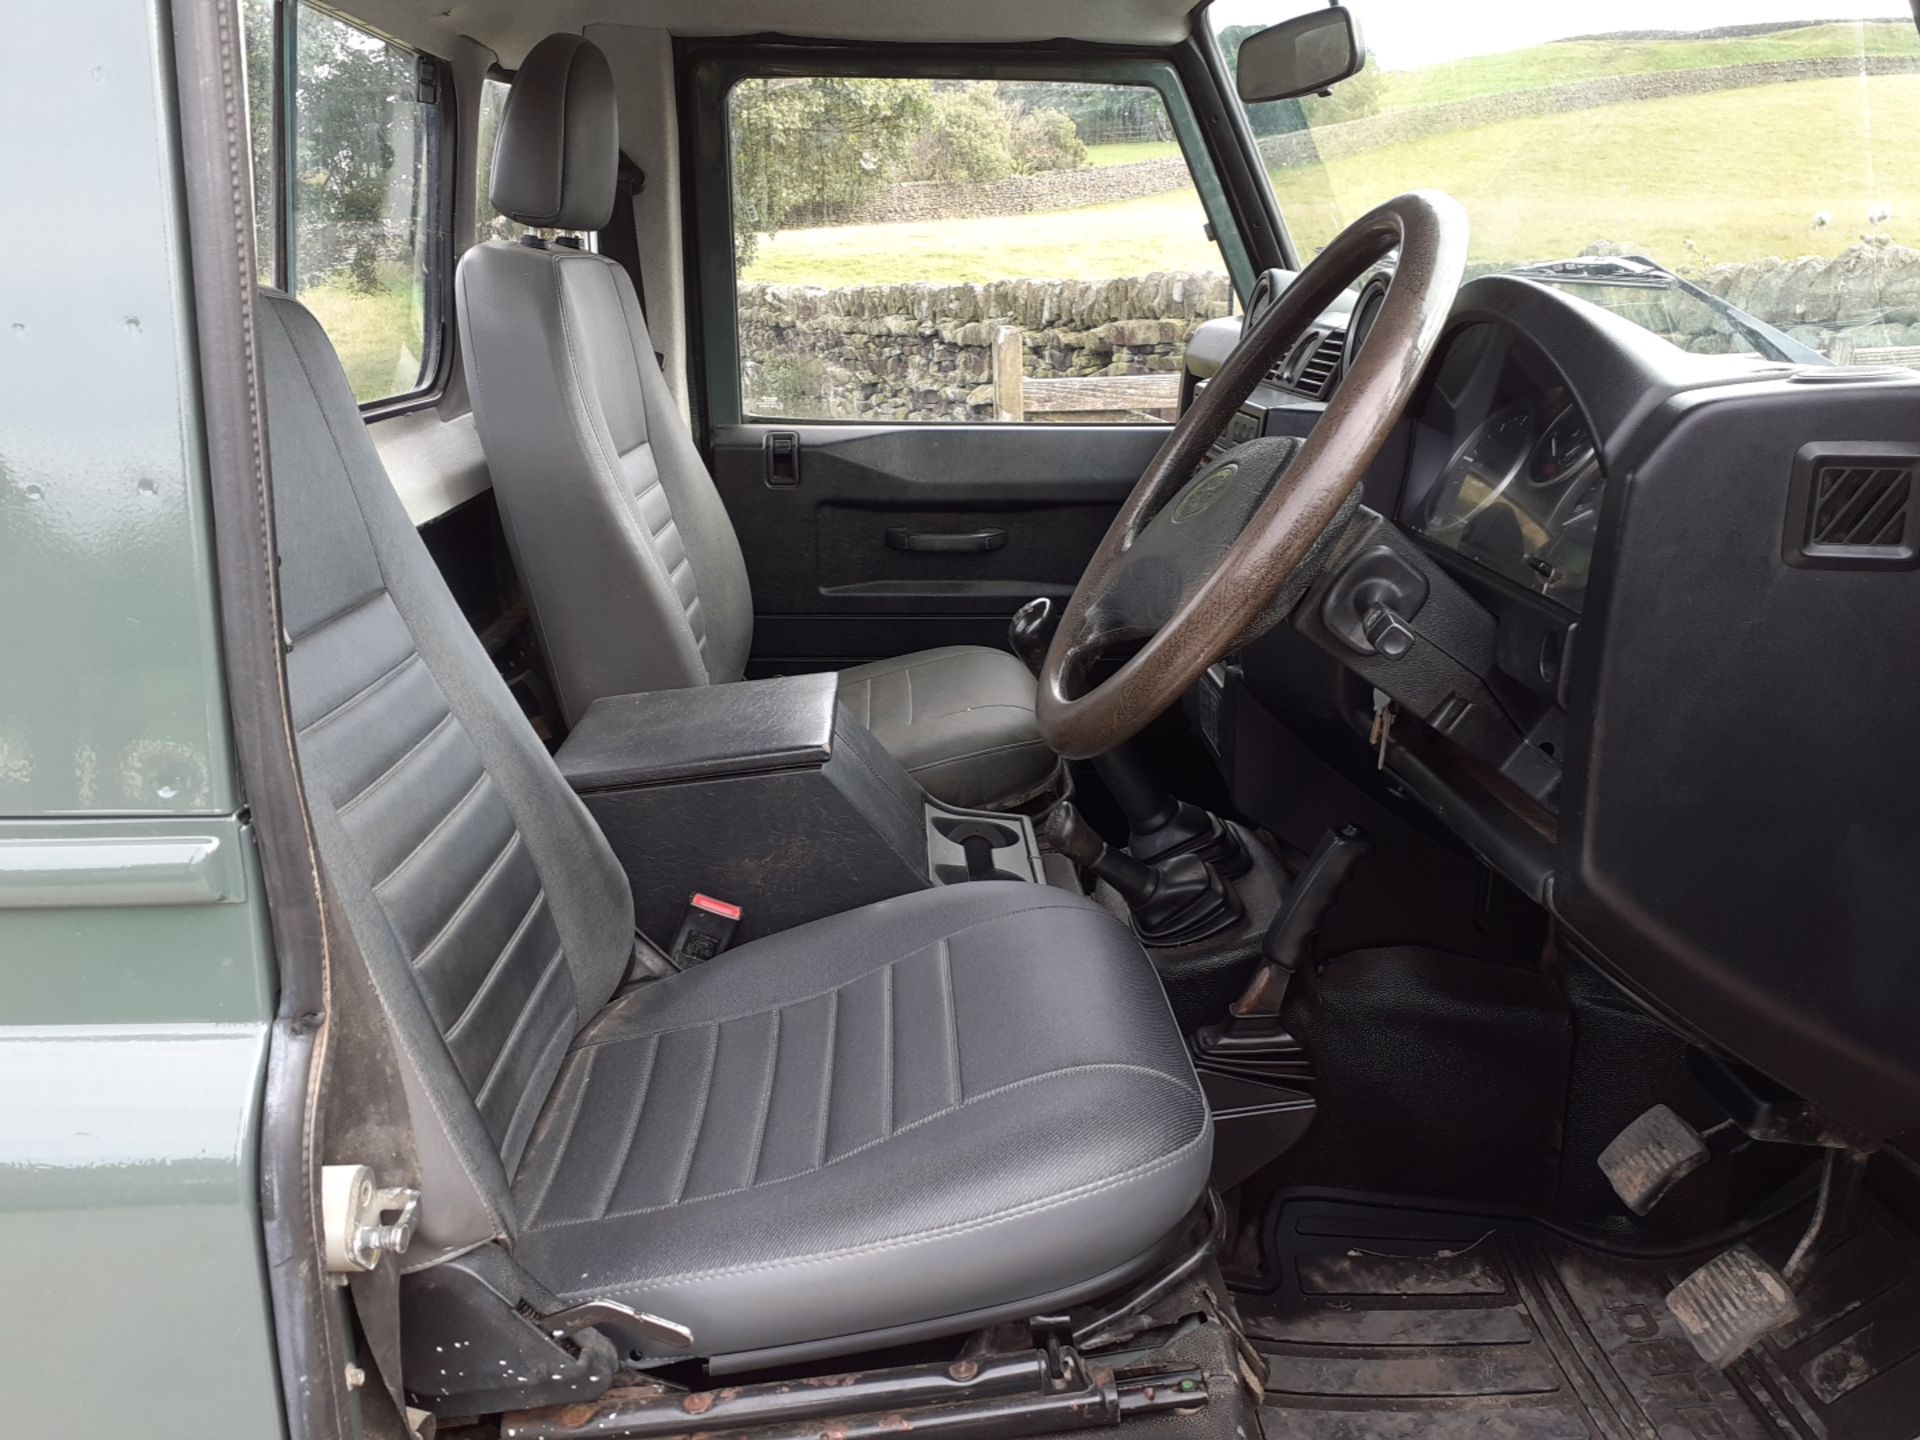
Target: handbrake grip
(1300, 918)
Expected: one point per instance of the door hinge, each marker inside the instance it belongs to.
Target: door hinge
(352, 1211)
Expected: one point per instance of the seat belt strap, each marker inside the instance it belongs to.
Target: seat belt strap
(620, 240)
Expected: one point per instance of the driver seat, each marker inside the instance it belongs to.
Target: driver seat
(964, 1105)
(631, 564)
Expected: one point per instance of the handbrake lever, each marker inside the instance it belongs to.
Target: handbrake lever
(1291, 933)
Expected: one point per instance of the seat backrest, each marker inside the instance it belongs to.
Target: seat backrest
(494, 918)
(629, 560)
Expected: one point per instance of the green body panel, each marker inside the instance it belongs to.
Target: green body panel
(110, 690)
(136, 980)
(107, 953)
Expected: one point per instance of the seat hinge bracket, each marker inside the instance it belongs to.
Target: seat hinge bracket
(354, 1211)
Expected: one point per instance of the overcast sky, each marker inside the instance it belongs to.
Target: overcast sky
(1404, 34)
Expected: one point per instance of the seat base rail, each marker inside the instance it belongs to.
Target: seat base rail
(992, 1398)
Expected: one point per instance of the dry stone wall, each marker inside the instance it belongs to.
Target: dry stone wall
(1023, 194)
(1849, 306)
(924, 352)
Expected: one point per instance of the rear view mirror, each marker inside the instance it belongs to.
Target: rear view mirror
(1301, 56)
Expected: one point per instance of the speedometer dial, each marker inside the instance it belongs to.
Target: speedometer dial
(1565, 449)
(1479, 474)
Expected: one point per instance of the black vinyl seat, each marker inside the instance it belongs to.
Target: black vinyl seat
(935, 1105)
(962, 1104)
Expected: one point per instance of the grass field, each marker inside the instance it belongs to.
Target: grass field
(1739, 173)
(377, 333)
(1128, 152)
(1162, 232)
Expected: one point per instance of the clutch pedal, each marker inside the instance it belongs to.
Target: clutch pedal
(1651, 1156)
(1730, 1302)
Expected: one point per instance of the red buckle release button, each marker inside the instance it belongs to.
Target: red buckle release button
(715, 907)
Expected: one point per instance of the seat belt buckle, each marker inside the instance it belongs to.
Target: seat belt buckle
(705, 930)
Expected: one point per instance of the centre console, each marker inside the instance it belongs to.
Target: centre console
(769, 796)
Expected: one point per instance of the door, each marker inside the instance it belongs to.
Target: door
(943, 301)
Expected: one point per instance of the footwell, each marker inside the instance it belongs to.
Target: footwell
(1390, 1321)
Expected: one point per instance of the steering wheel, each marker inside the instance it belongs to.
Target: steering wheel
(1199, 564)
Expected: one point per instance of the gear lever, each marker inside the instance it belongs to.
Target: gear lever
(1174, 902)
(1158, 826)
(1031, 631)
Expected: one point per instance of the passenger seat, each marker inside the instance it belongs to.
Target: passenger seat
(631, 563)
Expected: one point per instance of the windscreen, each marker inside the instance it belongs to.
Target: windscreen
(1737, 176)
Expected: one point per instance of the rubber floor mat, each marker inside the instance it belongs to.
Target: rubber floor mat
(1395, 1322)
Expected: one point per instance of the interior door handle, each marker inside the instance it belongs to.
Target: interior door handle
(899, 537)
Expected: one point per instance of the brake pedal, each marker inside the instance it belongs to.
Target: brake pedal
(1731, 1302)
(1651, 1156)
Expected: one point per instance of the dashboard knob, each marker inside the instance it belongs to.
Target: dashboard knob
(1390, 635)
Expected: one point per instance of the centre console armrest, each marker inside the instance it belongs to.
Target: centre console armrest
(668, 737)
(765, 793)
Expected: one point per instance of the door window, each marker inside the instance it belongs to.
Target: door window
(349, 196)
(365, 248)
(964, 250)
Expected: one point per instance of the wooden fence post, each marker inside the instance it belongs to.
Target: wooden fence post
(1009, 379)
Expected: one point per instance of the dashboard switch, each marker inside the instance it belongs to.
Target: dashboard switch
(1390, 634)
(1371, 601)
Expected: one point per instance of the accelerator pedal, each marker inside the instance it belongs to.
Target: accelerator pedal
(1651, 1156)
(1731, 1302)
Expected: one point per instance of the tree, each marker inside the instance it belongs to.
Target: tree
(1047, 140)
(1105, 113)
(968, 136)
(1271, 117)
(811, 150)
(256, 24)
(980, 131)
(354, 95)
(1351, 99)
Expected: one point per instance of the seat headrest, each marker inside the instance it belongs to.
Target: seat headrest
(558, 154)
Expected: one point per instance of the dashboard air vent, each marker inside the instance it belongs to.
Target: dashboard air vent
(1854, 508)
(1860, 506)
(1277, 372)
(1317, 375)
(1312, 365)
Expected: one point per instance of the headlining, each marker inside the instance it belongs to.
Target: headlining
(511, 27)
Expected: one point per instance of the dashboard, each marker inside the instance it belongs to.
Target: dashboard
(1646, 665)
(1520, 490)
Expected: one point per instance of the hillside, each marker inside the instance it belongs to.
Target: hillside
(1693, 179)
(1564, 61)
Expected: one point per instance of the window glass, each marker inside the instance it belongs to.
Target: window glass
(367, 240)
(256, 26)
(1737, 176)
(949, 250)
(489, 223)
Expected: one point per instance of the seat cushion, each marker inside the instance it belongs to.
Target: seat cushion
(959, 1102)
(960, 719)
